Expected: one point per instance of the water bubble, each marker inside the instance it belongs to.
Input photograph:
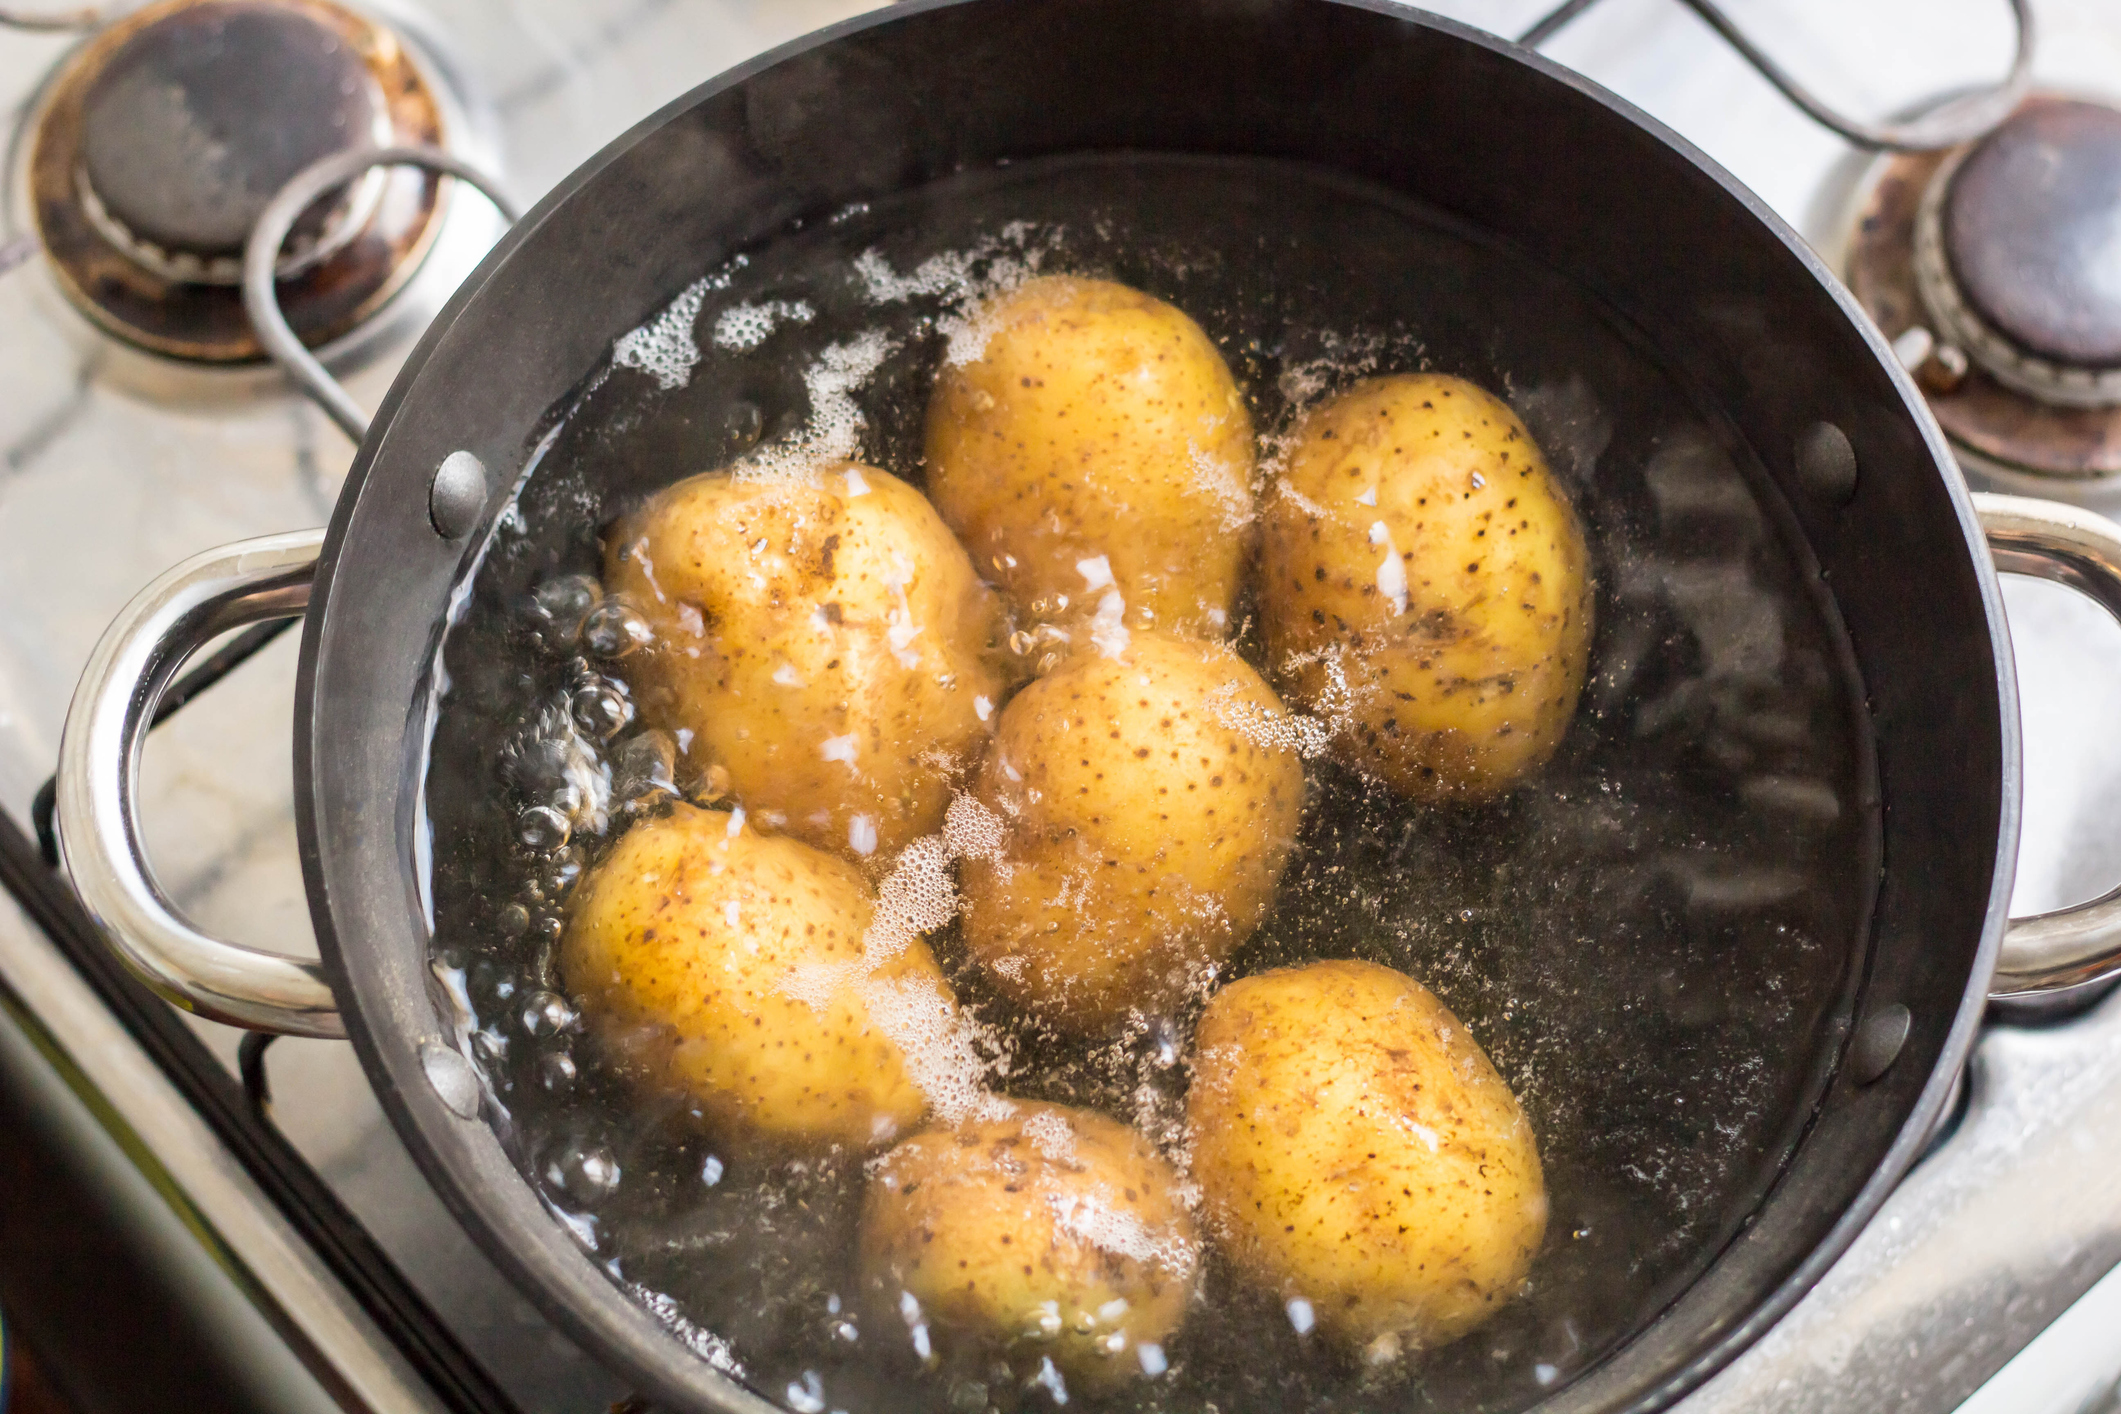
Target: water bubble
(743, 422)
(548, 928)
(714, 786)
(558, 608)
(614, 629)
(515, 920)
(602, 708)
(542, 828)
(557, 1070)
(547, 1014)
(586, 1173)
(536, 766)
(490, 1047)
(644, 769)
(968, 1397)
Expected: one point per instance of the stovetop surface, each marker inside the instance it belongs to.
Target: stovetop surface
(112, 469)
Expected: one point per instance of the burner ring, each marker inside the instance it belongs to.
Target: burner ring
(158, 271)
(346, 219)
(1997, 429)
(1958, 322)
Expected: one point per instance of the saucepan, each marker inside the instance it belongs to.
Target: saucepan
(1818, 421)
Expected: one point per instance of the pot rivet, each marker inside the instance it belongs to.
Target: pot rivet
(1826, 463)
(457, 495)
(452, 1076)
(1878, 1043)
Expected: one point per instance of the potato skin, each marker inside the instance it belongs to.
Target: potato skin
(1097, 421)
(1469, 686)
(986, 1224)
(1355, 1147)
(825, 641)
(1149, 811)
(682, 946)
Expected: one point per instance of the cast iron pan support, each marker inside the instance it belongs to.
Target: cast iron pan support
(1960, 121)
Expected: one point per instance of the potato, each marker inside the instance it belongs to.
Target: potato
(1096, 446)
(1356, 1151)
(1054, 1233)
(824, 640)
(1424, 583)
(729, 964)
(1150, 798)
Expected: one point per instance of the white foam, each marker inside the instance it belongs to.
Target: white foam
(1347, 358)
(861, 835)
(1226, 486)
(834, 431)
(1052, 1135)
(1298, 499)
(948, 1056)
(972, 831)
(941, 1045)
(664, 348)
(964, 282)
(746, 326)
(1092, 1218)
(1269, 729)
(705, 1344)
(840, 748)
(950, 272)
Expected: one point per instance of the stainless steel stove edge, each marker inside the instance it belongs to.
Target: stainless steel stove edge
(207, 1191)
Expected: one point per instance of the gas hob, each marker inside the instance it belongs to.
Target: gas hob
(1984, 1285)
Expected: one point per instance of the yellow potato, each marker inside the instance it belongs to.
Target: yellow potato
(1149, 802)
(1054, 1233)
(1424, 583)
(1097, 446)
(824, 640)
(1356, 1151)
(729, 964)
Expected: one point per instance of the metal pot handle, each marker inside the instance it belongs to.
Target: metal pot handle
(2048, 540)
(99, 765)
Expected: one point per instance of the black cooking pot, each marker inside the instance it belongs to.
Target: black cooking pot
(1840, 447)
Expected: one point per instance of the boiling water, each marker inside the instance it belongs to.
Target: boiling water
(1654, 939)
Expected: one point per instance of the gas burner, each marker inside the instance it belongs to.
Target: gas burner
(1991, 267)
(164, 137)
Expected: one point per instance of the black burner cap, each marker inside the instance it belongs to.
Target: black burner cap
(200, 117)
(2032, 227)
